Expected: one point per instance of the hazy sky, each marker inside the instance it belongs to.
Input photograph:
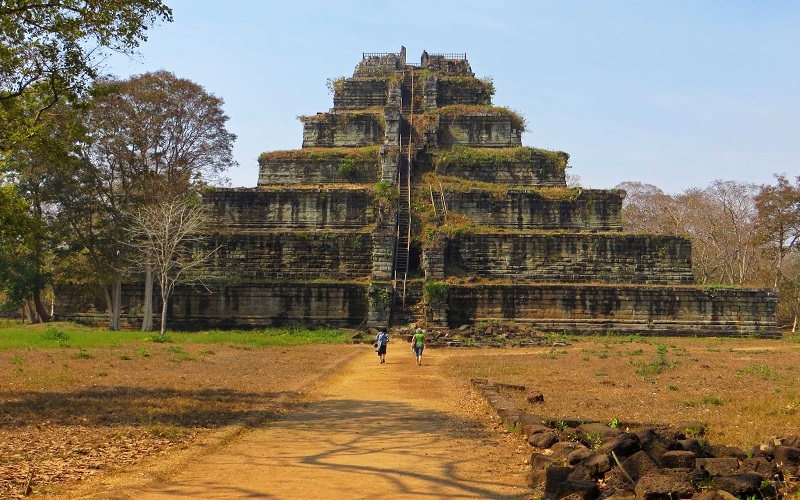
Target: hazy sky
(673, 93)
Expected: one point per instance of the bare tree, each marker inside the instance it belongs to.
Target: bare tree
(779, 219)
(168, 238)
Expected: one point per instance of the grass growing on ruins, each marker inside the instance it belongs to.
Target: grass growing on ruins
(517, 120)
(469, 157)
(745, 390)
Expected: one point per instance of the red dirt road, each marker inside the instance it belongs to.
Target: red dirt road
(393, 430)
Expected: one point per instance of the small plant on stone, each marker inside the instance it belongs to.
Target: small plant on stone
(594, 441)
(614, 424)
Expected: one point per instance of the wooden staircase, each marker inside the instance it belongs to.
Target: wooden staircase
(403, 235)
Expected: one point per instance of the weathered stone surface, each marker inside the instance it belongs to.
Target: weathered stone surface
(563, 449)
(713, 495)
(762, 466)
(696, 447)
(233, 305)
(597, 464)
(294, 255)
(317, 171)
(579, 455)
(537, 170)
(469, 91)
(360, 93)
(718, 466)
(739, 485)
(524, 209)
(535, 397)
(586, 490)
(554, 476)
(638, 464)
(539, 465)
(590, 433)
(651, 310)
(721, 450)
(543, 440)
(478, 129)
(572, 257)
(787, 455)
(343, 130)
(678, 459)
(661, 486)
(296, 208)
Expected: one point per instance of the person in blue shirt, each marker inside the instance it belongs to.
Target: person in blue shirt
(381, 340)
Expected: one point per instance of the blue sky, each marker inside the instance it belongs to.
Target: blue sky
(673, 93)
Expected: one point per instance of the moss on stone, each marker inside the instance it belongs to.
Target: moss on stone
(368, 153)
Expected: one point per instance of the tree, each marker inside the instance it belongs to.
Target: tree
(789, 288)
(720, 220)
(152, 137)
(52, 49)
(167, 237)
(646, 208)
(779, 219)
(20, 277)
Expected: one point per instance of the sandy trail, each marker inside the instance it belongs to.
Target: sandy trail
(393, 430)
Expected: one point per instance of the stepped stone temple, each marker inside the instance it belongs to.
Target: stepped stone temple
(414, 200)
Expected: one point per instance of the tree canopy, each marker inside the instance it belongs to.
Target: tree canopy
(53, 48)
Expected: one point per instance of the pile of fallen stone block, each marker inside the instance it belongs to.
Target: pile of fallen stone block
(582, 460)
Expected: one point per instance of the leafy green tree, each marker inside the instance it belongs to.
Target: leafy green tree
(21, 278)
(151, 138)
(52, 49)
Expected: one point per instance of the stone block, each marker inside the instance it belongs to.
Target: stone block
(718, 466)
(678, 459)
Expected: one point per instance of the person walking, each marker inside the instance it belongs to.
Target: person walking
(381, 340)
(418, 344)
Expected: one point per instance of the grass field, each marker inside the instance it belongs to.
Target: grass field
(77, 401)
(744, 390)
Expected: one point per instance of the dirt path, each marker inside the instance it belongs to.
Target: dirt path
(391, 430)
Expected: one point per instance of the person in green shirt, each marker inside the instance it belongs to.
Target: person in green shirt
(418, 344)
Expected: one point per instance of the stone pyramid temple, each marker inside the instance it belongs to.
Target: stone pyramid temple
(413, 200)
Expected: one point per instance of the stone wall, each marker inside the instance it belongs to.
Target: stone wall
(240, 305)
(521, 209)
(343, 130)
(538, 170)
(295, 208)
(317, 171)
(478, 129)
(295, 255)
(573, 257)
(361, 93)
(631, 309)
(462, 91)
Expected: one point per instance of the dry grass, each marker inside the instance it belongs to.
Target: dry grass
(67, 414)
(744, 390)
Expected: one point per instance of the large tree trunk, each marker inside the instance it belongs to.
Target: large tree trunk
(27, 311)
(114, 301)
(147, 321)
(40, 309)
